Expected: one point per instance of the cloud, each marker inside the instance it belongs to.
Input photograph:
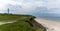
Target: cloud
(30, 6)
(27, 5)
(53, 3)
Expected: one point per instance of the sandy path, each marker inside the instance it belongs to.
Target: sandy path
(50, 25)
(1, 23)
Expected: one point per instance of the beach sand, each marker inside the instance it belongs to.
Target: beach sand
(49, 24)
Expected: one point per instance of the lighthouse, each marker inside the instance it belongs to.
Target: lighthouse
(8, 10)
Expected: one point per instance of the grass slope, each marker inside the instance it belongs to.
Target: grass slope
(24, 23)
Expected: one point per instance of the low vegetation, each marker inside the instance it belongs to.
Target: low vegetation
(24, 23)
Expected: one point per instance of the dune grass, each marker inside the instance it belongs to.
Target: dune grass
(20, 25)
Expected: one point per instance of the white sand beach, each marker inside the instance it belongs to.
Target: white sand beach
(50, 25)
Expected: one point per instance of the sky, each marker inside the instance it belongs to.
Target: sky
(30, 6)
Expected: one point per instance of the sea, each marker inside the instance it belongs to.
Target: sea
(51, 16)
(48, 16)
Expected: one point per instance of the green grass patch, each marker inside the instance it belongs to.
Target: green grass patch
(20, 25)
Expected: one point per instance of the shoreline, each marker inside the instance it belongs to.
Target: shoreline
(49, 24)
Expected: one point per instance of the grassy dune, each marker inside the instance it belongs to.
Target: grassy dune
(24, 23)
